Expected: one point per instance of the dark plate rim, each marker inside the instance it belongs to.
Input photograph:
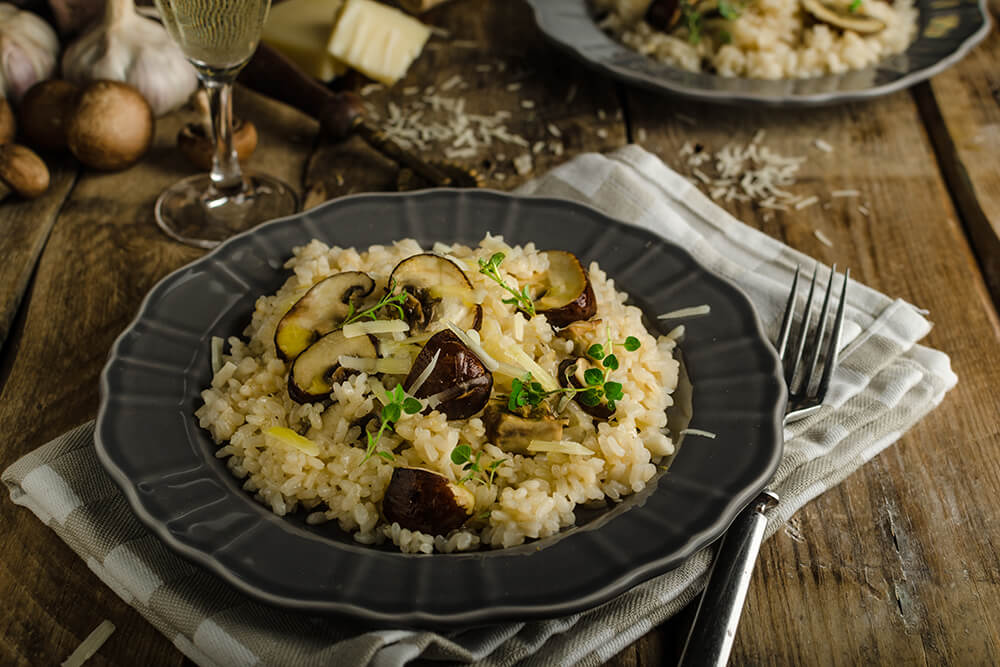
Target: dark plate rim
(436, 619)
(545, 18)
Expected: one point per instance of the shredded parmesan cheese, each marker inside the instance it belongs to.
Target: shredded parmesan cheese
(522, 358)
(424, 374)
(356, 329)
(90, 645)
(288, 438)
(217, 344)
(698, 431)
(692, 311)
(379, 390)
(477, 349)
(559, 447)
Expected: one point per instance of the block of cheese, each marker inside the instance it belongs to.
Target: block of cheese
(377, 40)
(301, 29)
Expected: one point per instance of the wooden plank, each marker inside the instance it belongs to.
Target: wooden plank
(493, 60)
(23, 232)
(880, 568)
(103, 255)
(961, 108)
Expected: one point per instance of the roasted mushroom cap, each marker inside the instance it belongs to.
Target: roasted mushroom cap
(571, 374)
(438, 292)
(845, 20)
(319, 311)
(513, 433)
(567, 295)
(318, 368)
(459, 384)
(583, 334)
(419, 499)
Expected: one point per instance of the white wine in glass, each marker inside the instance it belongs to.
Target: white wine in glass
(218, 37)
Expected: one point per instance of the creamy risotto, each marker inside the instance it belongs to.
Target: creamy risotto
(762, 39)
(444, 399)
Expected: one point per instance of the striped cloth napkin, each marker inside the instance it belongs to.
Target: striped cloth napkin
(885, 383)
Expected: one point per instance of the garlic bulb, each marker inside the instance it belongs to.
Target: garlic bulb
(128, 47)
(28, 51)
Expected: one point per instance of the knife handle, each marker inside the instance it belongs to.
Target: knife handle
(714, 629)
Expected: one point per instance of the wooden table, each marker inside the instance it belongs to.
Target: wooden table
(896, 565)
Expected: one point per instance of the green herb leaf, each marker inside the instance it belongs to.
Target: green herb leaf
(392, 412)
(386, 455)
(632, 344)
(855, 6)
(613, 391)
(596, 351)
(728, 11)
(461, 454)
(412, 406)
(593, 376)
(611, 361)
(522, 299)
(590, 397)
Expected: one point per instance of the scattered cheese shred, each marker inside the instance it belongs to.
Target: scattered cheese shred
(217, 344)
(692, 311)
(477, 349)
(287, 437)
(823, 238)
(698, 431)
(90, 645)
(356, 329)
(519, 356)
(559, 447)
(379, 390)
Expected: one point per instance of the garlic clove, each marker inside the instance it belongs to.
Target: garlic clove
(28, 51)
(136, 50)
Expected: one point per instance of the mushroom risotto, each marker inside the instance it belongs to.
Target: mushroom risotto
(442, 400)
(762, 39)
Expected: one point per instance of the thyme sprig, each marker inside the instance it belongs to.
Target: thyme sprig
(391, 300)
(491, 269)
(462, 456)
(398, 403)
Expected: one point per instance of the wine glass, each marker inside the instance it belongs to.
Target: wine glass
(218, 37)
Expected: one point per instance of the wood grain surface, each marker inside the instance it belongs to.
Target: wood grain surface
(897, 565)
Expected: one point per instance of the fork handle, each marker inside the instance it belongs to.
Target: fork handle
(714, 629)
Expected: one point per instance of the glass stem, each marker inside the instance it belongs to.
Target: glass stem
(226, 175)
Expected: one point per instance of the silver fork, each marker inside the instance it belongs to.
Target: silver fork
(714, 628)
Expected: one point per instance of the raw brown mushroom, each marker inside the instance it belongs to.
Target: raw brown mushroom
(459, 382)
(111, 127)
(567, 295)
(513, 433)
(45, 111)
(22, 172)
(426, 501)
(571, 374)
(316, 370)
(320, 310)
(845, 20)
(197, 144)
(8, 128)
(438, 291)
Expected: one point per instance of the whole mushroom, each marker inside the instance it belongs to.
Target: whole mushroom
(197, 144)
(45, 112)
(22, 172)
(8, 128)
(111, 127)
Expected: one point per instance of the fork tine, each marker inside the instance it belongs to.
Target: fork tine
(817, 344)
(833, 349)
(786, 319)
(802, 332)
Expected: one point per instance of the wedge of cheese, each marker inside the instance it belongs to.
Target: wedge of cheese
(301, 29)
(379, 41)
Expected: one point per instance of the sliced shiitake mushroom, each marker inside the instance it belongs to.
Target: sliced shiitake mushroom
(513, 433)
(571, 374)
(438, 290)
(320, 311)
(426, 501)
(567, 295)
(318, 368)
(845, 20)
(459, 382)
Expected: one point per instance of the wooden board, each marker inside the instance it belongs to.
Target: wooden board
(875, 570)
(961, 108)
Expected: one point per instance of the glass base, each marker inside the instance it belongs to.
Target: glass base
(192, 211)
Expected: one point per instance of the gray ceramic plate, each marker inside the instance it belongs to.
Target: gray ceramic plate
(150, 442)
(947, 29)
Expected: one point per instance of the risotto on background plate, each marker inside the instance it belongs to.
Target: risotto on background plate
(430, 408)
